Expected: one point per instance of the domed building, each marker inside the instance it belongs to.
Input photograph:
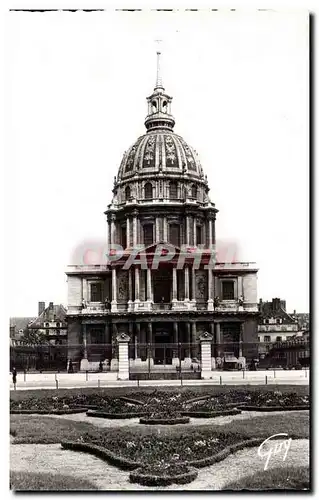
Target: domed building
(161, 287)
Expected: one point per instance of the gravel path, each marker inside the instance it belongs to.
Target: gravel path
(103, 422)
(52, 458)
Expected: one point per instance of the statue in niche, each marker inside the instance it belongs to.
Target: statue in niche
(122, 286)
(201, 284)
(216, 301)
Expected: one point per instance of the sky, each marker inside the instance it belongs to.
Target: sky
(76, 87)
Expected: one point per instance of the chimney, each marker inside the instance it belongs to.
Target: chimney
(41, 307)
(50, 305)
(294, 311)
(275, 304)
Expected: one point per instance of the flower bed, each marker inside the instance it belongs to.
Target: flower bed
(52, 411)
(110, 415)
(160, 475)
(276, 408)
(164, 420)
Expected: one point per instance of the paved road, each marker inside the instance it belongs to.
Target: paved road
(79, 380)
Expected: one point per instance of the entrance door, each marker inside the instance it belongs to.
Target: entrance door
(162, 280)
(163, 351)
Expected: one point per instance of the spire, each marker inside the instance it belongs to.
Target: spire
(159, 104)
(159, 84)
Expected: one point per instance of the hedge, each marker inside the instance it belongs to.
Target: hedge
(103, 414)
(132, 401)
(155, 480)
(103, 453)
(275, 408)
(210, 414)
(164, 421)
(68, 411)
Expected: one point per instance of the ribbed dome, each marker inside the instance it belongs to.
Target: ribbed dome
(160, 151)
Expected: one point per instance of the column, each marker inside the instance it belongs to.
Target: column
(130, 290)
(194, 231)
(174, 298)
(210, 301)
(138, 341)
(128, 241)
(187, 229)
(137, 284)
(212, 333)
(84, 365)
(132, 350)
(112, 229)
(193, 285)
(213, 230)
(186, 283)
(241, 337)
(188, 339)
(149, 284)
(165, 229)
(218, 339)
(210, 233)
(151, 352)
(194, 347)
(175, 360)
(123, 363)
(157, 236)
(134, 229)
(114, 290)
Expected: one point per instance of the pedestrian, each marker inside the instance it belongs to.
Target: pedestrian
(14, 376)
(100, 366)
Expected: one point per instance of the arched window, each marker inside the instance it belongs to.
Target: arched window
(173, 190)
(148, 191)
(128, 195)
(278, 339)
(194, 191)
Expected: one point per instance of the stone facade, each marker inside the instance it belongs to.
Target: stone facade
(161, 204)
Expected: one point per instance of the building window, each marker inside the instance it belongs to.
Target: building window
(123, 236)
(278, 339)
(58, 332)
(58, 325)
(173, 190)
(228, 290)
(266, 338)
(96, 292)
(174, 234)
(258, 339)
(199, 235)
(128, 194)
(194, 192)
(148, 191)
(47, 325)
(267, 321)
(278, 321)
(148, 234)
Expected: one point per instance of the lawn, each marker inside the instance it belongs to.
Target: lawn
(32, 481)
(281, 478)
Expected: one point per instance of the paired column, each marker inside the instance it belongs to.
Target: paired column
(174, 298)
(149, 340)
(114, 289)
(194, 232)
(241, 336)
(137, 284)
(149, 284)
(188, 338)
(157, 235)
(175, 338)
(193, 349)
(112, 229)
(128, 239)
(85, 352)
(138, 337)
(218, 339)
(134, 228)
(186, 283)
(165, 237)
(187, 229)
(210, 302)
(193, 285)
(210, 233)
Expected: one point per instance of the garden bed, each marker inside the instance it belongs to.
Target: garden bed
(275, 408)
(163, 476)
(164, 420)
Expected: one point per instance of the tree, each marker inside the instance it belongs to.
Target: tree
(34, 337)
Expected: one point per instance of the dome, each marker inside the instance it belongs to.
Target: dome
(158, 151)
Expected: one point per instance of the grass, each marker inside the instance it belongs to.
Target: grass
(280, 478)
(32, 481)
(47, 430)
(134, 391)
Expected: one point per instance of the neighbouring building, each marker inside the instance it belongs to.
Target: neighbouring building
(275, 324)
(303, 320)
(51, 322)
(161, 203)
(18, 327)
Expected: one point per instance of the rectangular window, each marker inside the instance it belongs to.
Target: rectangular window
(96, 292)
(174, 234)
(148, 234)
(267, 338)
(228, 290)
(199, 235)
